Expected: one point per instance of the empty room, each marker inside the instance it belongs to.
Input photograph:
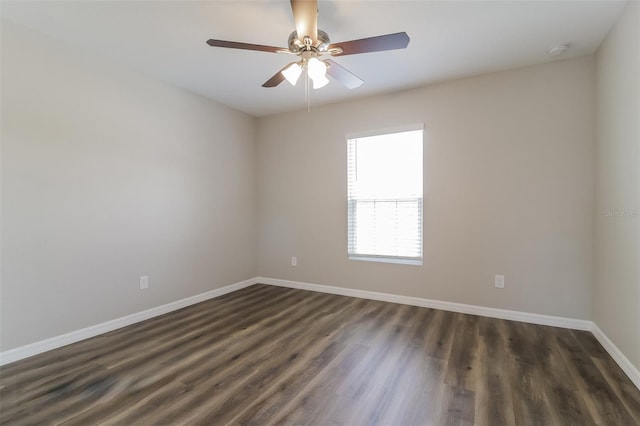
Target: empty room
(320, 212)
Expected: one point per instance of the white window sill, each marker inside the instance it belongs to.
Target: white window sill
(382, 259)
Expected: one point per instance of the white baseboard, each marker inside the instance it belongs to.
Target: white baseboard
(617, 355)
(26, 351)
(571, 323)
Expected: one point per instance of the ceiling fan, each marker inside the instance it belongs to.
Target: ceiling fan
(310, 43)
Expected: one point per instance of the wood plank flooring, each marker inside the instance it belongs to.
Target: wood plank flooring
(270, 355)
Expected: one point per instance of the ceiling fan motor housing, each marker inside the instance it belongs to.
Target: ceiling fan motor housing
(297, 45)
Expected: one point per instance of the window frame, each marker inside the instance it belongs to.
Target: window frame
(405, 260)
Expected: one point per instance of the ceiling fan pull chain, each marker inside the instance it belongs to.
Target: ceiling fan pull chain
(307, 92)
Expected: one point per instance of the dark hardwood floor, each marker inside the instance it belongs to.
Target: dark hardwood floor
(270, 355)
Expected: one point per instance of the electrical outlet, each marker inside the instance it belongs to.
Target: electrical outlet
(499, 281)
(144, 282)
(294, 261)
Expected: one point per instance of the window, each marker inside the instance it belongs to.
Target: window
(385, 196)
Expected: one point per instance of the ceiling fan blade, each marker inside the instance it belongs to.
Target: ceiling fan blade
(372, 44)
(277, 77)
(305, 17)
(246, 46)
(343, 75)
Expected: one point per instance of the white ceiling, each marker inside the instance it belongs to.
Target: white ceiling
(449, 39)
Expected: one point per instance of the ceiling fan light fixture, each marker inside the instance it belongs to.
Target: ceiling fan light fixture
(292, 73)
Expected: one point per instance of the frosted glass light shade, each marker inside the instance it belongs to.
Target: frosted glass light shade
(292, 73)
(316, 68)
(319, 82)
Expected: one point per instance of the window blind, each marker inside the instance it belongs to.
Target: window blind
(385, 196)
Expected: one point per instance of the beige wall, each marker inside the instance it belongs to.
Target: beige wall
(617, 283)
(106, 176)
(508, 178)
